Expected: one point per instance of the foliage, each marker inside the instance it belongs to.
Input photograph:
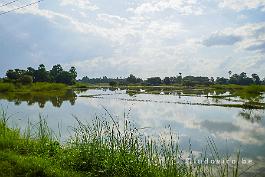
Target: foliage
(241, 79)
(56, 74)
(191, 80)
(113, 83)
(153, 81)
(166, 81)
(221, 80)
(26, 80)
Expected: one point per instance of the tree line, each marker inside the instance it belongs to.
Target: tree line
(239, 79)
(57, 75)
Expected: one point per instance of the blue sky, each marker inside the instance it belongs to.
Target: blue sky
(143, 37)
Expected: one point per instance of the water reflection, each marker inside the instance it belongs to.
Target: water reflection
(251, 115)
(56, 98)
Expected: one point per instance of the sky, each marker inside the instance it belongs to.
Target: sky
(143, 37)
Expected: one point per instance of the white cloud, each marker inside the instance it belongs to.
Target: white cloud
(250, 37)
(184, 7)
(239, 5)
(81, 4)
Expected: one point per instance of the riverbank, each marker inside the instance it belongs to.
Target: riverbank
(99, 149)
(34, 87)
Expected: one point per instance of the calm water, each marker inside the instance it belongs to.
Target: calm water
(231, 128)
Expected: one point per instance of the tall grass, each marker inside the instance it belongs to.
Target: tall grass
(103, 148)
(35, 87)
(7, 87)
(44, 86)
(254, 89)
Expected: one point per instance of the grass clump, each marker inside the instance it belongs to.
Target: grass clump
(103, 148)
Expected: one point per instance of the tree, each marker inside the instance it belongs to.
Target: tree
(191, 80)
(212, 80)
(256, 79)
(263, 81)
(229, 72)
(179, 80)
(41, 74)
(240, 79)
(221, 80)
(113, 83)
(31, 72)
(55, 71)
(166, 80)
(234, 79)
(131, 79)
(73, 72)
(153, 81)
(65, 77)
(244, 80)
(11, 74)
(26, 79)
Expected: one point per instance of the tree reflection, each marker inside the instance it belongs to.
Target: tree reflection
(56, 98)
(251, 115)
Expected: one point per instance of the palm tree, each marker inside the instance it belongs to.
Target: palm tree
(229, 72)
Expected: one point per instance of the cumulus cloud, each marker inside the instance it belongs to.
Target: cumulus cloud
(250, 37)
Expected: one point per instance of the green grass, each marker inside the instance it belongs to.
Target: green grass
(7, 87)
(35, 87)
(42, 86)
(102, 148)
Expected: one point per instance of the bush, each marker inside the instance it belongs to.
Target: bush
(26, 80)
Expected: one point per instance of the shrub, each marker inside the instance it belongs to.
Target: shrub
(26, 80)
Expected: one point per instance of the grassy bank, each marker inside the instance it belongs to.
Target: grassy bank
(103, 148)
(35, 87)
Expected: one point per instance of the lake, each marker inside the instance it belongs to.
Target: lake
(191, 118)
